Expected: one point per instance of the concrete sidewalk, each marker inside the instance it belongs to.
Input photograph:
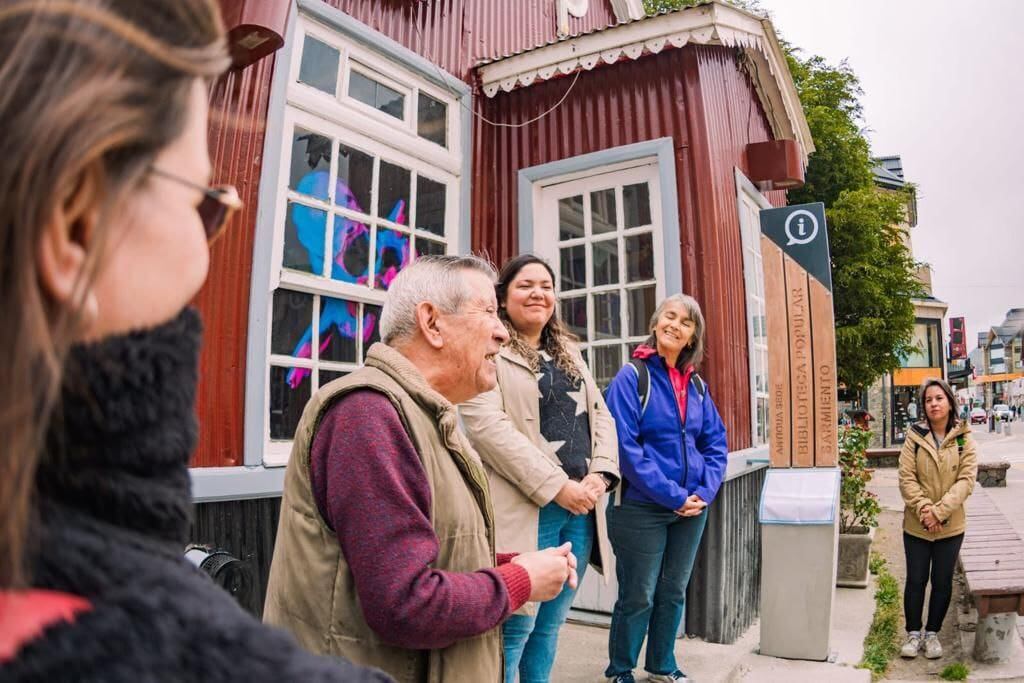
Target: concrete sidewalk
(582, 652)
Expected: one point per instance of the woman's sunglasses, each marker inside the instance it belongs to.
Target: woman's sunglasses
(216, 207)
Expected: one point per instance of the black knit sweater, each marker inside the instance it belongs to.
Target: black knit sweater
(114, 505)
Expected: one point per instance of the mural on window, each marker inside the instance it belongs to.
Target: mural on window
(607, 290)
(314, 339)
(346, 212)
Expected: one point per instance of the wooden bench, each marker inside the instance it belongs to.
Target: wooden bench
(992, 559)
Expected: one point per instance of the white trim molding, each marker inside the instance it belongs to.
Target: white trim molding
(713, 23)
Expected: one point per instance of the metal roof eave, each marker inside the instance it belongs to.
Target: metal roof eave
(710, 23)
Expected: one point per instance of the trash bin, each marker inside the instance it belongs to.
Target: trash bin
(799, 546)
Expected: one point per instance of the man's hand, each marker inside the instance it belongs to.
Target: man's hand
(929, 520)
(576, 498)
(595, 484)
(693, 506)
(549, 570)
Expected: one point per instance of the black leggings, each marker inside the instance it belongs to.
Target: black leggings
(938, 557)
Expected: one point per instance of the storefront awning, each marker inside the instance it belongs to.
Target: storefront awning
(913, 377)
(1002, 377)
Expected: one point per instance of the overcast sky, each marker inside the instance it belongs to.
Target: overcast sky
(944, 89)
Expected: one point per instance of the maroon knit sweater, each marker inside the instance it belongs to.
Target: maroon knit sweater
(371, 489)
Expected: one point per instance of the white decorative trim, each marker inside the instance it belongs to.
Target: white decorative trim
(714, 23)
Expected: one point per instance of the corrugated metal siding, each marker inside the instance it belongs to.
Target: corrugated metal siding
(724, 595)
(702, 99)
(246, 529)
(457, 34)
(238, 108)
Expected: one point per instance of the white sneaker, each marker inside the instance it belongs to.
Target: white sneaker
(932, 646)
(912, 646)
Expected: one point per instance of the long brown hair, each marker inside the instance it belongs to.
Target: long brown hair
(555, 338)
(952, 421)
(92, 91)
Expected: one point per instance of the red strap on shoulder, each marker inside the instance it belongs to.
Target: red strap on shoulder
(24, 615)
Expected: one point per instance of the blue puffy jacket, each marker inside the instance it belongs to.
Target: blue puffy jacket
(661, 462)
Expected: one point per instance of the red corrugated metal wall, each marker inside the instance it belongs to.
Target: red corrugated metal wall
(238, 108)
(701, 98)
(457, 34)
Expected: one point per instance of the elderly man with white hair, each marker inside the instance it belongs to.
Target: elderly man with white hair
(385, 549)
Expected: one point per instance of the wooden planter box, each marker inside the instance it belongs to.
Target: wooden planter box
(854, 554)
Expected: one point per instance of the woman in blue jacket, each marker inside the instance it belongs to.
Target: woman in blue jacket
(672, 453)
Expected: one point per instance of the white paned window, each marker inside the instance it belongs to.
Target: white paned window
(368, 182)
(750, 202)
(602, 235)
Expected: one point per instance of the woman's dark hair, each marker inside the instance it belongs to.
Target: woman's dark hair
(940, 383)
(92, 91)
(555, 338)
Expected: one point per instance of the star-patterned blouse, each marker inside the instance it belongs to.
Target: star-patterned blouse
(564, 421)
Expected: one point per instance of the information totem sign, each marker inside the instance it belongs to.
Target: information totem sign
(799, 503)
(801, 337)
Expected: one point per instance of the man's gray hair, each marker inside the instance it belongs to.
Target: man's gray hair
(437, 279)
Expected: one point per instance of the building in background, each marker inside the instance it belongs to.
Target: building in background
(1000, 378)
(893, 400)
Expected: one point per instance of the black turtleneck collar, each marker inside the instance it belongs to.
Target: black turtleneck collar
(119, 444)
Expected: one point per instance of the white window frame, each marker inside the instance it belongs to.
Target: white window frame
(749, 201)
(353, 123)
(547, 243)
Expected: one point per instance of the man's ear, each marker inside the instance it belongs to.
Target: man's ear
(428, 321)
(63, 250)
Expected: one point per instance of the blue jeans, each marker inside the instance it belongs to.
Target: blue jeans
(530, 641)
(654, 553)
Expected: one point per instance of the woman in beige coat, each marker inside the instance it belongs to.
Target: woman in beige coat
(938, 466)
(548, 443)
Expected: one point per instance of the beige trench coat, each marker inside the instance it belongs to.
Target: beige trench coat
(941, 477)
(525, 474)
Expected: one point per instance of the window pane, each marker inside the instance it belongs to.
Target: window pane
(607, 361)
(570, 217)
(351, 258)
(330, 375)
(393, 202)
(291, 330)
(429, 247)
(602, 211)
(289, 393)
(641, 308)
(573, 267)
(607, 323)
(574, 315)
(392, 255)
(640, 257)
(304, 239)
(355, 179)
(371, 326)
(636, 203)
(376, 95)
(311, 164)
(433, 120)
(319, 67)
(338, 329)
(430, 204)
(605, 257)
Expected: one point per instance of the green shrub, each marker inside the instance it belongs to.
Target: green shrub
(876, 563)
(858, 507)
(957, 671)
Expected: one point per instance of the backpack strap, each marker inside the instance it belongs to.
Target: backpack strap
(643, 382)
(960, 444)
(702, 386)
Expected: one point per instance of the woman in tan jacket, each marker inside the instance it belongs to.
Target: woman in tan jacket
(938, 466)
(548, 443)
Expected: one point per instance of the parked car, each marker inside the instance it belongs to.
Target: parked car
(1002, 412)
(978, 416)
